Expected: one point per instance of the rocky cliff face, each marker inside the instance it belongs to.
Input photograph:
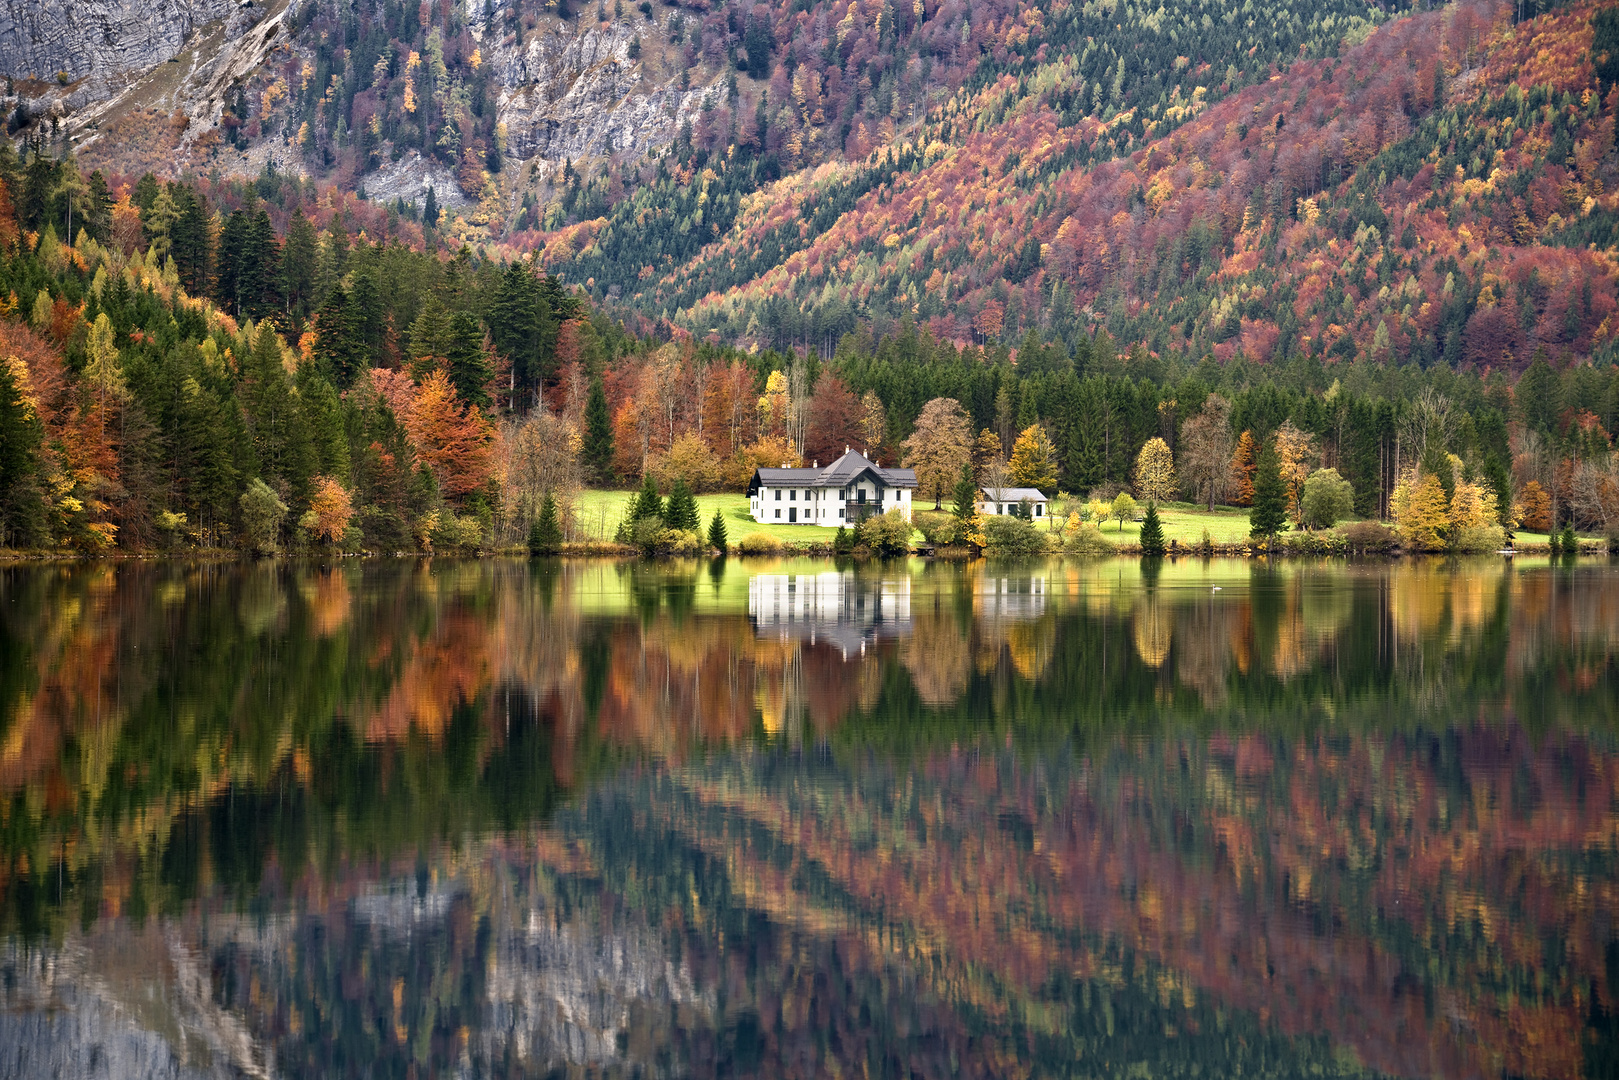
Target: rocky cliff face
(98, 39)
(566, 96)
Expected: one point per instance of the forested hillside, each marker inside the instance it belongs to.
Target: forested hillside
(1398, 253)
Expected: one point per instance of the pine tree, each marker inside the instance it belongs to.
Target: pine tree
(469, 365)
(22, 505)
(598, 443)
(716, 533)
(966, 494)
(681, 512)
(430, 210)
(545, 534)
(1152, 534)
(1269, 514)
(647, 503)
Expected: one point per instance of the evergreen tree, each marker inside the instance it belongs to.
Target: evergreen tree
(279, 441)
(647, 503)
(22, 507)
(299, 267)
(681, 513)
(598, 442)
(337, 348)
(1569, 544)
(966, 494)
(545, 534)
(469, 366)
(1152, 534)
(716, 533)
(1269, 514)
(430, 210)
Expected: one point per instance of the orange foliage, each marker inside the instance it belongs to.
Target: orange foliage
(453, 439)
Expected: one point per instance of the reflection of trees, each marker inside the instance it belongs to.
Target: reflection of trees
(938, 652)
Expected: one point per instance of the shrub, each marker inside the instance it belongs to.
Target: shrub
(262, 514)
(456, 532)
(1369, 538)
(887, 535)
(1012, 536)
(936, 527)
(759, 544)
(1479, 539)
(680, 542)
(843, 542)
(1314, 543)
(1083, 538)
(1328, 498)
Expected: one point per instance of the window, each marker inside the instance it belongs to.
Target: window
(1039, 511)
(792, 494)
(778, 513)
(840, 513)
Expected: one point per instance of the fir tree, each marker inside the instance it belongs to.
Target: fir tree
(545, 534)
(598, 446)
(966, 494)
(716, 533)
(1269, 514)
(681, 512)
(647, 503)
(430, 210)
(1152, 534)
(469, 366)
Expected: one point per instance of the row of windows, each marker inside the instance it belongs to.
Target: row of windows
(860, 496)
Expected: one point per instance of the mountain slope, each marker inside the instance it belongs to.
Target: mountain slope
(1429, 195)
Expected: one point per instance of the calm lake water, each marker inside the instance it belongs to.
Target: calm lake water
(415, 819)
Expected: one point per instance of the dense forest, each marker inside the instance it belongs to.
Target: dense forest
(1395, 257)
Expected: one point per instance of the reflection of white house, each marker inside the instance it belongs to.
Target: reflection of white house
(1005, 500)
(1010, 597)
(842, 493)
(843, 609)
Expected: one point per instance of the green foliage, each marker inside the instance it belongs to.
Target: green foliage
(716, 533)
(1152, 533)
(1568, 542)
(1269, 513)
(1124, 508)
(598, 441)
(843, 542)
(1012, 536)
(1328, 498)
(681, 511)
(22, 505)
(262, 515)
(885, 535)
(545, 534)
(759, 543)
(1086, 540)
(966, 494)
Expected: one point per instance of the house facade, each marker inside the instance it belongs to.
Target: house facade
(1005, 501)
(843, 493)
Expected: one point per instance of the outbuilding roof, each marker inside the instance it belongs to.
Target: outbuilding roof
(1013, 494)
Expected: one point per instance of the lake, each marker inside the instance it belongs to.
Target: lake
(791, 818)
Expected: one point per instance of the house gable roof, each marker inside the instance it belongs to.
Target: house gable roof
(847, 469)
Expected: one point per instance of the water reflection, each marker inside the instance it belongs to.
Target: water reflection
(796, 818)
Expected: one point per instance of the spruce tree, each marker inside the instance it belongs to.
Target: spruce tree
(1269, 514)
(682, 509)
(716, 533)
(469, 366)
(545, 534)
(648, 503)
(598, 448)
(966, 494)
(1570, 545)
(1152, 534)
(430, 211)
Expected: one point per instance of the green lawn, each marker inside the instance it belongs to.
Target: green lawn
(599, 512)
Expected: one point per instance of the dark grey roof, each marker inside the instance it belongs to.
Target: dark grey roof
(840, 473)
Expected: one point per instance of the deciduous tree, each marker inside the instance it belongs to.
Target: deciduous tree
(1155, 471)
(1034, 459)
(938, 447)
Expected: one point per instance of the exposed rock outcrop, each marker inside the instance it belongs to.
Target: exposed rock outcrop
(98, 39)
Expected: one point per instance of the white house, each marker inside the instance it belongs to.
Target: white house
(842, 493)
(1005, 501)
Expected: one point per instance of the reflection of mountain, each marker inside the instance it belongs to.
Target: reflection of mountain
(495, 812)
